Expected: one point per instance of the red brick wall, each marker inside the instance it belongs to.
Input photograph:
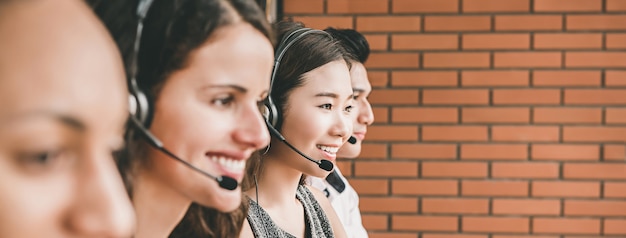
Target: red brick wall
(494, 118)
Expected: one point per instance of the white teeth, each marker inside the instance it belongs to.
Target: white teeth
(236, 166)
(331, 150)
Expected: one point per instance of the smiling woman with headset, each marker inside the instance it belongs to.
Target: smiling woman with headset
(308, 114)
(198, 71)
(62, 114)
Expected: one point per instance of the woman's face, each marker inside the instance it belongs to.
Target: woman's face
(317, 119)
(63, 106)
(364, 115)
(208, 114)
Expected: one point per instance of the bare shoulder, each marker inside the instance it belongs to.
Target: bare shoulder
(338, 229)
(246, 230)
(318, 194)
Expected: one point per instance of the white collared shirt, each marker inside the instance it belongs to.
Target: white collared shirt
(346, 204)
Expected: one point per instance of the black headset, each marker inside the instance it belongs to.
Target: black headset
(271, 112)
(139, 105)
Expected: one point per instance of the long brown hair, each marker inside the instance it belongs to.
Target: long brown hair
(172, 30)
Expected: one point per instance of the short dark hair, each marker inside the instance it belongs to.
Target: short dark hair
(353, 42)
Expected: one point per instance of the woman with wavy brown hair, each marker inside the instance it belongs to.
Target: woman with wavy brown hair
(204, 68)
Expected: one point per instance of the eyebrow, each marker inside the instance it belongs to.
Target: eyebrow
(332, 95)
(66, 120)
(358, 90)
(233, 86)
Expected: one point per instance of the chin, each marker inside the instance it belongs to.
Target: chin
(320, 173)
(223, 200)
(349, 151)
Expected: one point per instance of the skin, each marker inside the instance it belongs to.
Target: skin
(63, 102)
(205, 112)
(364, 115)
(317, 114)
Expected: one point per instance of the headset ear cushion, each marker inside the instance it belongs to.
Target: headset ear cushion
(270, 112)
(132, 105)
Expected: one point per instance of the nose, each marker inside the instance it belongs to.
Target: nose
(366, 115)
(342, 126)
(251, 129)
(102, 207)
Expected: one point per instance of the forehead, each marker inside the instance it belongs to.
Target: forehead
(234, 54)
(55, 55)
(358, 75)
(331, 77)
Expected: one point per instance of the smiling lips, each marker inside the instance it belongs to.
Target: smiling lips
(330, 152)
(359, 135)
(229, 166)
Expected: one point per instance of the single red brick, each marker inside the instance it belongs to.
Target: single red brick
(494, 188)
(525, 133)
(425, 6)
(565, 152)
(567, 78)
(423, 223)
(423, 151)
(528, 22)
(494, 78)
(569, 189)
(527, 59)
(454, 170)
(361, 6)
(455, 97)
(567, 115)
(457, 23)
(518, 41)
(495, 115)
(594, 171)
(489, 6)
(526, 207)
(595, 22)
(445, 187)
(388, 23)
(525, 170)
(454, 133)
(566, 226)
(425, 115)
(568, 5)
(494, 151)
(496, 224)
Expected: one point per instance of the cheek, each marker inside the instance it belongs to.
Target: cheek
(303, 125)
(40, 203)
(191, 125)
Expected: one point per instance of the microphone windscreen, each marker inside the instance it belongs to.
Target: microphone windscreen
(352, 140)
(326, 165)
(228, 183)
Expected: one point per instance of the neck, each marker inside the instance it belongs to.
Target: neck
(158, 207)
(277, 183)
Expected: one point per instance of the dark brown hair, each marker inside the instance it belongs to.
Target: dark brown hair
(172, 30)
(306, 54)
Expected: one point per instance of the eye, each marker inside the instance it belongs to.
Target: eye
(261, 105)
(41, 157)
(44, 160)
(356, 96)
(349, 108)
(326, 106)
(223, 101)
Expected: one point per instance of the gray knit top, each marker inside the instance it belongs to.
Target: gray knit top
(316, 222)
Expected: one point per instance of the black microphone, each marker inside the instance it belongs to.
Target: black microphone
(352, 140)
(225, 182)
(323, 164)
